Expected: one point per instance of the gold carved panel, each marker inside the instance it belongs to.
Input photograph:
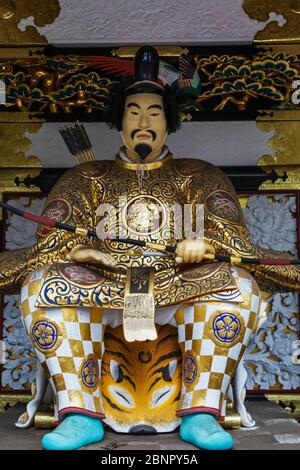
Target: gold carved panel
(14, 164)
(13, 11)
(284, 145)
(273, 32)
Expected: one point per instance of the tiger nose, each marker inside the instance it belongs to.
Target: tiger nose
(142, 429)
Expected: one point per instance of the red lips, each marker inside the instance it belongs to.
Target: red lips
(143, 136)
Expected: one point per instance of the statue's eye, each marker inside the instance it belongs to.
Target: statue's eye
(169, 371)
(116, 371)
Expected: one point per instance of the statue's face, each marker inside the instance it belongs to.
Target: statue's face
(144, 124)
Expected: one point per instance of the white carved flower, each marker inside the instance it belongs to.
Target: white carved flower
(21, 233)
(272, 225)
(19, 367)
(263, 378)
(282, 347)
(290, 378)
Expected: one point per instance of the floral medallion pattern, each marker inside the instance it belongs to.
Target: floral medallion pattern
(190, 368)
(90, 372)
(46, 335)
(226, 327)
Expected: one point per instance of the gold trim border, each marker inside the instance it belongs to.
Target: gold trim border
(144, 166)
(290, 402)
(9, 400)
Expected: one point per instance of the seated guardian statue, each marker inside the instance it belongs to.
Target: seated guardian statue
(74, 285)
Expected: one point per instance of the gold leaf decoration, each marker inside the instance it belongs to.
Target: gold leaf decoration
(285, 143)
(14, 145)
(273, 32)
(13, 11)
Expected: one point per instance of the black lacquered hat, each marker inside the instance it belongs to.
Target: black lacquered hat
(146, 68)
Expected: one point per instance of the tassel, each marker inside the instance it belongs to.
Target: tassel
(139, 306)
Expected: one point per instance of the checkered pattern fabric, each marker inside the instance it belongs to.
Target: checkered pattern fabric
(68, 343)
(213, 337)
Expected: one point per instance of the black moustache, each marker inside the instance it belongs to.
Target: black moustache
(150, 131)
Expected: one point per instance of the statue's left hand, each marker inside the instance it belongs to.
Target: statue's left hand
(83, 254)
(193, 251)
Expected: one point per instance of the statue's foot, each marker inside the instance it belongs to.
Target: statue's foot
(204, 431)
(76, 430)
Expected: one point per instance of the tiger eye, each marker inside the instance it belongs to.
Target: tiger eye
(120, 376)
(166, 374)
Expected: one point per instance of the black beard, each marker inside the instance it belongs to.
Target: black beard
(143, 150)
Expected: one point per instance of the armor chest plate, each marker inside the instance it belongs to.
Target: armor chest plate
(149, 212)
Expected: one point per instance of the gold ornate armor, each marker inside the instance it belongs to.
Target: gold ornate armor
(78, 194)
(216, 307)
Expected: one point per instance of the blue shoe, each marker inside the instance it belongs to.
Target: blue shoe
(76, 430)
(204, 431)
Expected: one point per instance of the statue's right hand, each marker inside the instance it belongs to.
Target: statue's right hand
(84, 254)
